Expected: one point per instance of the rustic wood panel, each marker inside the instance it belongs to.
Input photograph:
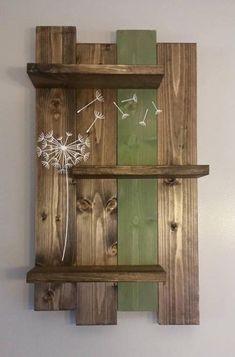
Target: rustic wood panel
(147, 171)
(94, 76)
(98, 273)
(96, 199)
(137, 199)
(55, 110)
(177, 204)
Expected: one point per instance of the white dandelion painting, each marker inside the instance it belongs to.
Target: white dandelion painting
(62, 155)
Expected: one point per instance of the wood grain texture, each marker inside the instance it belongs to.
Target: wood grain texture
(55, 111)
(177, 204)
(137, 199)
(98, 273)
(94, 76)
(97, 199)
(146, 171)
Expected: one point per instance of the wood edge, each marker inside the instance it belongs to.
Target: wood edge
(83, 172)
(114, 43)
(97, 324)
(39, 68)
(49, 76)
(45, 28)
(187, 323)
(155, 274)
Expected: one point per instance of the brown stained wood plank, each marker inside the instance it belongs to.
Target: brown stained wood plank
(99, 299)
(97, 199)
(108, 273)
(177, 204)
(147, 171)
(95, 75)
(55, 296)
(55, 110)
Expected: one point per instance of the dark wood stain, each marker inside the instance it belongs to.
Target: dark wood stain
(94, 75)
(147, 171)
(96, 273)
(177, 203)
(96, 199)
(55, 110)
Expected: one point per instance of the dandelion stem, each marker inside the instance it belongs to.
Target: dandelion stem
(127, 100)
(145, 115)
(88, 130)
(118, 108)
(94, 100)
(67, 214)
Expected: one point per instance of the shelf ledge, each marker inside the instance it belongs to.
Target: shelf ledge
(94, 76)
(119, 172)
(97, 273)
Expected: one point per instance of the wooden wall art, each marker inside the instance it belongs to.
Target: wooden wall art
(116, 209)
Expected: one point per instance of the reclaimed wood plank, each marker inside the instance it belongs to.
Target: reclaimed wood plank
(94, 75)
(98, 273)
(55, 110)
(137, 199)
(177, 204)
(146, 171)
(96, 199)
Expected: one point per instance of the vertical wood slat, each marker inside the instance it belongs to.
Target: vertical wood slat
(177, 204)
(55, 111)
(96, 199)
(137, 199)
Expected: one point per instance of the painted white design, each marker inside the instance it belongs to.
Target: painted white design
(98, 97)
(62, 155)
(132, 99)
(143, 122)
(124, 115)
(98, 115)
(157, 111)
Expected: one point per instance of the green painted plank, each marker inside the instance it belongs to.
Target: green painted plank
(137, 199)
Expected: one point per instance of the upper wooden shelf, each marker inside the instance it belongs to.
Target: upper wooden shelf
(94, 76)
(173, 171)
(97, 273)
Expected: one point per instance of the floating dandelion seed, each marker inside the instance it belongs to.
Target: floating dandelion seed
(157, 111)
(132, 99)
(143, 122)
(98, 96)
(62, 155)
(124, 115)
(98, 115)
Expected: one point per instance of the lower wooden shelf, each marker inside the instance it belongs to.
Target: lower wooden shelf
(147, 171)
(97, 273)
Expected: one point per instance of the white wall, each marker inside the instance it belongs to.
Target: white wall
(211, 24)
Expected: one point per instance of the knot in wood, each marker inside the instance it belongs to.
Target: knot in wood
(56, 102)
(113, 249)
(173, 226)
(49, 295)
(171, 181)
(111, 204)
(84, 205)
(43, 216)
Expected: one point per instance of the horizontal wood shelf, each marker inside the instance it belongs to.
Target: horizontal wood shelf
(95, 76)
(97, 273)
(110, 172)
